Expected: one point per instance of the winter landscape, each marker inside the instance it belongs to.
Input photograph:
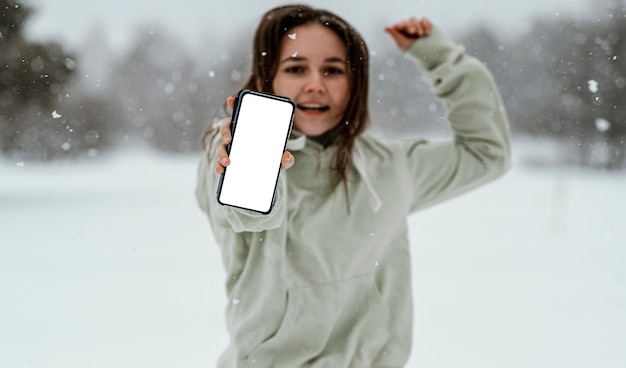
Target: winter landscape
(106, 260)
(109, 263)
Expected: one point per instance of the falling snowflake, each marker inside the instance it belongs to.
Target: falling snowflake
(603, 125)
(593, 86)
(56, 115)
(235, 75)
(292, 36)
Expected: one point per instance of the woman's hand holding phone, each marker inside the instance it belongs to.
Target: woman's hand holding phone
(225, 133)
(252, 152)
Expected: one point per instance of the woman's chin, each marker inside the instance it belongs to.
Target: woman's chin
(313, 130)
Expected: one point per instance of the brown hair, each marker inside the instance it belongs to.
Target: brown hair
(272, 28)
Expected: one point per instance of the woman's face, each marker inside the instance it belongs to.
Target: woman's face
(312, 71)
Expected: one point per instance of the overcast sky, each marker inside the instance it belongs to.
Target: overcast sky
(72, 21)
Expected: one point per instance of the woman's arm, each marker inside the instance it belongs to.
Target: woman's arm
(480, 150)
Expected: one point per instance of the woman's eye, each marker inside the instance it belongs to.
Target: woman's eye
(333, 71)
(295, 70)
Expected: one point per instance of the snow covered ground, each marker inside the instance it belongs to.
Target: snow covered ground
(109, 263)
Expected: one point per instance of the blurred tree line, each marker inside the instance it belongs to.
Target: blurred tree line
(564, 79)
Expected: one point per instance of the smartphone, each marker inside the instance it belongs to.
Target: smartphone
(261, 125)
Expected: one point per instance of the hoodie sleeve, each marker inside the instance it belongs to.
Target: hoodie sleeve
(229, 219)
(480, 150)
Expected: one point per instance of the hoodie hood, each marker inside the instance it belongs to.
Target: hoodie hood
(298, 141)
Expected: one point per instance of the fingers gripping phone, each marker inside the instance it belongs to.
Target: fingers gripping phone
(261, 125)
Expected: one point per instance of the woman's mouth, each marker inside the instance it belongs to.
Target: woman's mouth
(313, 107)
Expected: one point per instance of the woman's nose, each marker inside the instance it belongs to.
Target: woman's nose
(315, 83)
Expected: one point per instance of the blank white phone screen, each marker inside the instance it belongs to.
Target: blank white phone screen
(258, 143)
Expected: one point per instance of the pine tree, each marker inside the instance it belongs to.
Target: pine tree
(32, 76)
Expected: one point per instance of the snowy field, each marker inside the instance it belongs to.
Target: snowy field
(110, 263)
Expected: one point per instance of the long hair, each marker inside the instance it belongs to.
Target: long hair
(270, 32)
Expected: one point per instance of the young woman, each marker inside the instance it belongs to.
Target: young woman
(324, 280)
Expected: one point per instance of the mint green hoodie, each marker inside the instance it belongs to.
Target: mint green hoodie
(313, 285)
